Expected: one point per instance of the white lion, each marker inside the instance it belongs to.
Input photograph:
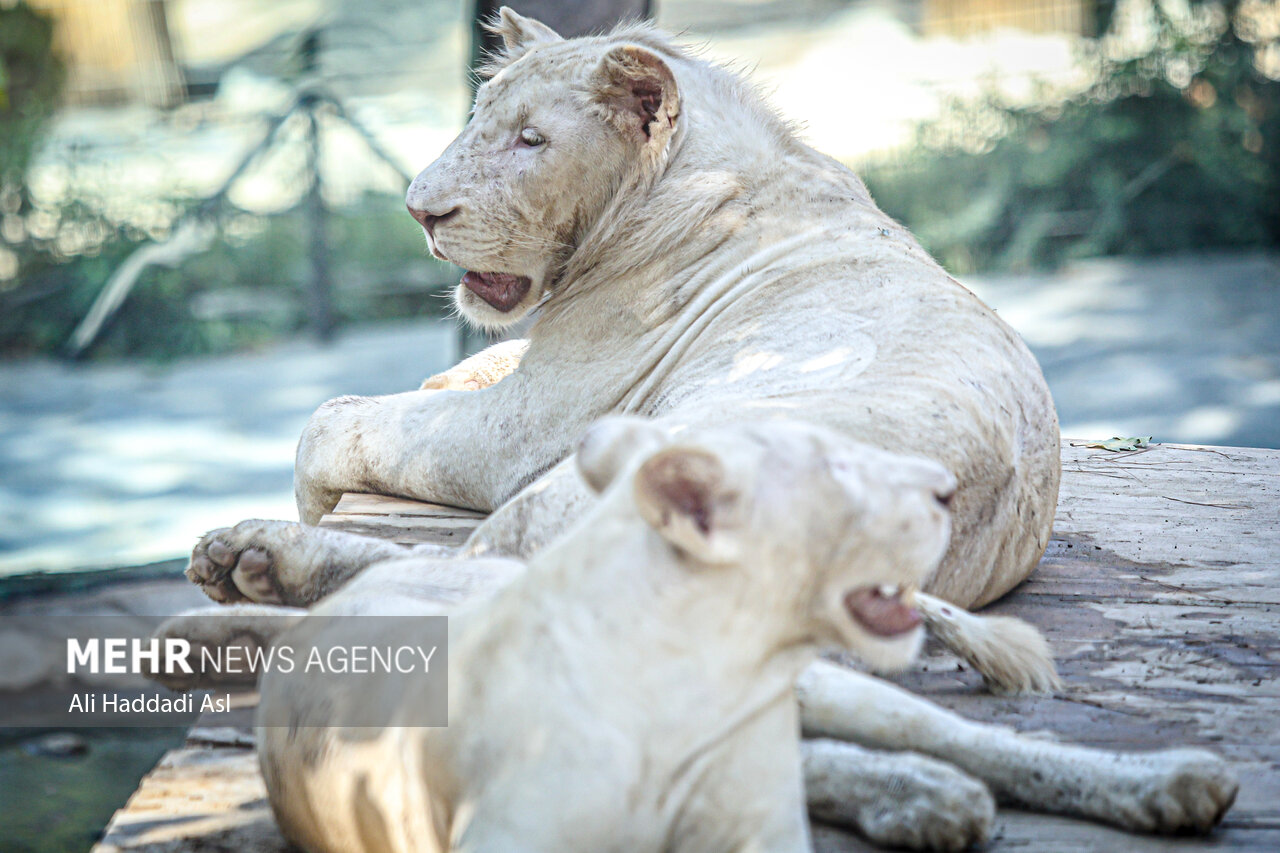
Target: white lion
(633, 690)
(695, 264)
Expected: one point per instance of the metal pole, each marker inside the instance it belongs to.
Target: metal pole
(319, 296)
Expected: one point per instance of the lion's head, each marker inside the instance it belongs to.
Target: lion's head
(835, 535)
(557, 128)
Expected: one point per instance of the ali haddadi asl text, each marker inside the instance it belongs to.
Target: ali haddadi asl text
(113, 703)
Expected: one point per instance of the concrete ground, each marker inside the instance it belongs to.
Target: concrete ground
(124, 464)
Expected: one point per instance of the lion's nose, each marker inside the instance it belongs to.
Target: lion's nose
(430, 220)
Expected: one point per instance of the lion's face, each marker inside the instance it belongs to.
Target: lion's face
(553, 134)
(878, 531)
(838, 535)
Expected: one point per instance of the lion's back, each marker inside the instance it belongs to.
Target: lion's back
(883, 346)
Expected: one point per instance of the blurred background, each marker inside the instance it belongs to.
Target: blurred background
(203, 237)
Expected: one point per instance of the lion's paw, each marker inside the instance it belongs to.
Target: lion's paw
(897, 799)
(1179, 790)
(224, 644)
(233, 564)
(938, 808)
(452, 380)
(487, 367)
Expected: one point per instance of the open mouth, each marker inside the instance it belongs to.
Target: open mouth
(501, 290)
(882, 610)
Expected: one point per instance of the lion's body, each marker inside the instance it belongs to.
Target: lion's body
(856, 330)
(752, 278)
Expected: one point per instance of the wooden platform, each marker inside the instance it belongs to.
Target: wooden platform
(1160, 595)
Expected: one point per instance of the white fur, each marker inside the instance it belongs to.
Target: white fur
(1169, 791)
(1011, 655)
(703, 269)
(648, 656)
(649, 662)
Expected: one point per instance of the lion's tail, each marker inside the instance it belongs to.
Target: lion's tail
(1012, 656)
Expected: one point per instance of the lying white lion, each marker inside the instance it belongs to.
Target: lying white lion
(633, 690)
(694, 263)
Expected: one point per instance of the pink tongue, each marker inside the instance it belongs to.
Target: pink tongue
(881, 615)
(501, 290)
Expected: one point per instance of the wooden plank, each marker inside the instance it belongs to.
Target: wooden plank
(1159, 593)
(404, 521)
(1160, 596)
(197, 800)
(1208, 514)
(406, 531)
(1022, 831)
(354, 503)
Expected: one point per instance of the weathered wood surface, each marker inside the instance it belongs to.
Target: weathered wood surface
(1160, 594)
(406, 522)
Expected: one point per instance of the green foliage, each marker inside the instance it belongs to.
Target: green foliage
(30, 79)
(1173, 150)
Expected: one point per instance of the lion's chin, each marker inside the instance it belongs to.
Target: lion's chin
(503, 291)
(483, 314)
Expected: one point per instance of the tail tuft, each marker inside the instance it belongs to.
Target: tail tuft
(1012, 656)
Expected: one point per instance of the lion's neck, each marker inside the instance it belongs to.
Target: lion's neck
(726, 184)
(645, 652)
(724, 219)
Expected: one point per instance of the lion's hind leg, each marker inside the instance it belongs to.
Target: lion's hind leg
(217, 636)
(1176, 790)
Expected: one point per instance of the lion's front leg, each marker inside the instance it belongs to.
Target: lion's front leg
(282, 562)
(246, 628)
(463, 448)
(1175, 790)
(487, 367)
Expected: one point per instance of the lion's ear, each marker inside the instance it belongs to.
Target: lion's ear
(638, 92)
(613, 443)
(519, 32)
(685, 495)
